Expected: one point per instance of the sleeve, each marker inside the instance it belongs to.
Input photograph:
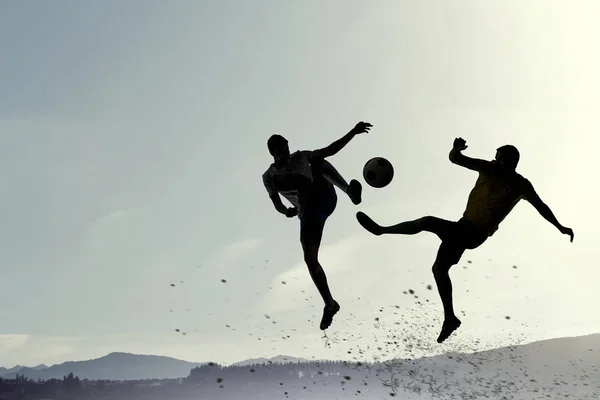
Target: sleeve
(268, 183)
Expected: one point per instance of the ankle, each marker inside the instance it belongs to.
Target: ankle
(450, 317)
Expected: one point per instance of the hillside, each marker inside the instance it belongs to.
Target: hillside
(559, 368)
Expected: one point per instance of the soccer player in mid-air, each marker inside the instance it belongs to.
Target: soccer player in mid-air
(307, 181)
(497, 190)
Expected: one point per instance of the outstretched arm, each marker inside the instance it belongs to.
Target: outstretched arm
(335, 147)
(534, 199)
(457, 157)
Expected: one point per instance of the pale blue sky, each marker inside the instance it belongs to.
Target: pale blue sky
(132, 140)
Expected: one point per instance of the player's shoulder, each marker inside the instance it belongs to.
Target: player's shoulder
(268, 172)
(486, 167)
(508, 175)
(524, 184)
(522, 179)
(301, 154)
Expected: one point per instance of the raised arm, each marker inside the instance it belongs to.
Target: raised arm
(457, 157)
(335, 147)
(534, 199)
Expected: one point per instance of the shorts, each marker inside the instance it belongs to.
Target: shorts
(312, 222)
(458, 237)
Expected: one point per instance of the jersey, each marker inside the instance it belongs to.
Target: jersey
(294, 180)
(495, 194)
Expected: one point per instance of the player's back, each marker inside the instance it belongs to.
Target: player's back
(495, 194)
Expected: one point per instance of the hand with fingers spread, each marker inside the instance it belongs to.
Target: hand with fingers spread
(361, 127)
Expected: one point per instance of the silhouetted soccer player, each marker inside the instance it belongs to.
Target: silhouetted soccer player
(497, 190)
(305, 179)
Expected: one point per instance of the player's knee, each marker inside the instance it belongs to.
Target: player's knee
(311, 259)
(313, 266)
(441, 268)
(425, 222)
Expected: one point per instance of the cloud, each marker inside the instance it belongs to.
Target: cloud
(106, 223)
(31, 350)
(107, 228)
(243, 245)
(353, 263)
(11, 342)
(231, 254)
(113, 216)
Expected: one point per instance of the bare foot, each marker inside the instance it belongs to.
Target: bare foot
(368, 223)
(328, 313)
(355, 191)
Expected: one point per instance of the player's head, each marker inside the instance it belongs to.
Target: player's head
(507, 156)
(278, 147)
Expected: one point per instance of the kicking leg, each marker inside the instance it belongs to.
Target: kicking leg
(441, 227)
(353, 189)
(448, 255)
(310, 237)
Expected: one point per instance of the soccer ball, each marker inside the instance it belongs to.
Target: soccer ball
(378, 172)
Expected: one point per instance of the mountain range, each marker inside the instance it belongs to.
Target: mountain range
(6, 371)
(127, 366)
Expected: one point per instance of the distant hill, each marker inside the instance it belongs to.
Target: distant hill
(6, 371)
(127, 366)
(572, 357)
(565, 368)
(114, 366)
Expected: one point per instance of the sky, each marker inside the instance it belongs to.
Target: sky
(133, 140)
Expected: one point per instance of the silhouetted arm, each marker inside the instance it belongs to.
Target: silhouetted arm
(534, 199)
(281, 208)
(339, 144)
(276, 198)
(474, 164)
